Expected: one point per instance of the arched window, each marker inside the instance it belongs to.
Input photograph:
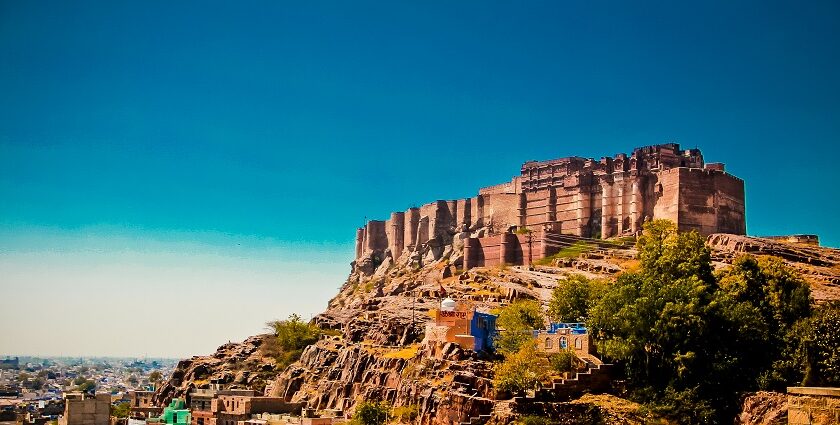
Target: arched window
(548, 344)
(578, 343)
(563, 343)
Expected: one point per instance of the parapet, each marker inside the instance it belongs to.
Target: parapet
(812, 240)
(570, 196)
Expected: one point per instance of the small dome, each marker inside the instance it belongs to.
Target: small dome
(448, 305)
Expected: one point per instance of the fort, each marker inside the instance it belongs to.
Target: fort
(520, 221)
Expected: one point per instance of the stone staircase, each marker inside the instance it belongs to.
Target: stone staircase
(499, 408)
(595, 378)
(480, 420)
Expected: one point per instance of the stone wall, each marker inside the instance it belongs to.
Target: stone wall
(511, 248)
(553, 342)
(573, 196)
(813, 405)
(811, 240)
(710, 202)
(87, 410)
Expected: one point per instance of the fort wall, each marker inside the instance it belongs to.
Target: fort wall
(610, 197)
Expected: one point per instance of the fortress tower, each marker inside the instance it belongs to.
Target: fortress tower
(577, 196)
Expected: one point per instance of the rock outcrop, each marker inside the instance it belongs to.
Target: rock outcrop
(763, 408)
(819, 266)
(233, 365)
(376, 350)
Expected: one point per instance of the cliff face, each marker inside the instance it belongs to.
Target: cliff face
(381, 355)
(381, 312)
(234, 365)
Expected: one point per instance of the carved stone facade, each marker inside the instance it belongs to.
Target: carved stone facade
(576, 196)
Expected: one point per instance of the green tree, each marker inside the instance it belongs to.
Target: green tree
(562, 361)
(660, 322)
(371, 413)
(573, 297)
(667, 255)
(86, 386)
(522, 370)
(779, 293)
(155, 376)
(517, 321)
(120, 411)
(289, 339)
(764, 299)
(820, 347)
(691, 341)
(293, 333)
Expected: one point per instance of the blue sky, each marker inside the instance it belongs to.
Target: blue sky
(210, 161)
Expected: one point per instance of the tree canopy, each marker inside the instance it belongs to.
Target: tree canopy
(522, 370)
(518, 320)
(691, 341)
(573, 297)
(371, 413)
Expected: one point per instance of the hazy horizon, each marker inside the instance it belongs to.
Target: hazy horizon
(174, 175)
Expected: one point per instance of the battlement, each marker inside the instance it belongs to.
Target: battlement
(574, 196)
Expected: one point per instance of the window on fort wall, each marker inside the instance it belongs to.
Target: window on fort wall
(578, 343)
(548, 343)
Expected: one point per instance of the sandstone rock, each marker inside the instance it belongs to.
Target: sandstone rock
(763, 408)
(819, 266)
(381, 312)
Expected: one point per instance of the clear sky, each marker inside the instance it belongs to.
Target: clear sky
(174, 174)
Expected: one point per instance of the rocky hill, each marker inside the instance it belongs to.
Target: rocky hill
(819, 266)
(381, 310)
(236, 365)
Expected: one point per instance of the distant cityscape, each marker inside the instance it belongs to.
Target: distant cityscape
(33, 390)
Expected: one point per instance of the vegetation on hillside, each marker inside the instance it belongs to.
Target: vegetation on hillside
(572, 251)
(517, 320)
(522, 370)
(290, 337)
(573, 297)
(690, 341)
(371, 413)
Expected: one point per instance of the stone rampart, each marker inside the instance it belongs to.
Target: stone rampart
(577, 196)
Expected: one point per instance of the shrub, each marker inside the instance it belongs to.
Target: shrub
(120, 410)
(293, 333)
(521, 371)
(290, 337)
(370, 413)
(562, 361)
(406, 413)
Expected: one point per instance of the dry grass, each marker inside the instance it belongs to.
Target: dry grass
(406, 353)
